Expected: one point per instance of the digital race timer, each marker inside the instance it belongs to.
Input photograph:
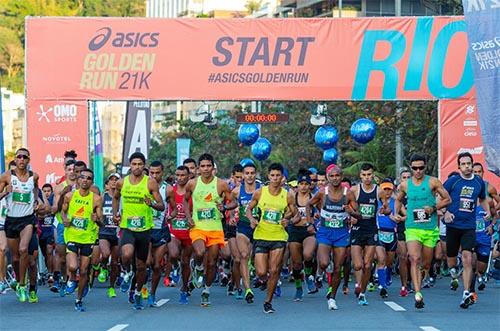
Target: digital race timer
(262, 118)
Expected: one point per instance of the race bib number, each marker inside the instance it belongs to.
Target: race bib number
(386, 237)
(206, 214)
(181, 224)
(366, 210)
(136, 223)
(271, 216)
(19, 197)
(466, 205)
(47, 221)
(80, 223)
(420, 216)
(333, 220)
(302, 212)
(480, 225)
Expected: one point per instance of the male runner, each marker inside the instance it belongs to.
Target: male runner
(484, 229)
(138, 194)
(302, 238)
(192, 166)
(181, 244)
(336, 204)
(422, 231)
(322, 182)
(47, 234)
(208, 193)
(277, 207)
(402, 251)
(21, 193)
(108, 237)
(60, 257)
(460, 217)
(160, 234)
(82, 214)
(364, 236)
(244, 237)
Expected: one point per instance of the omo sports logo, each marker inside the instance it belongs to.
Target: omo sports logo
(58, 113)
(123, 39)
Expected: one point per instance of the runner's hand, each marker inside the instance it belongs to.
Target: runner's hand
(190, 223)
(285, 222)
(429, 210)
(253, 223)
(117, 219)
(349, 209)
(147, 201)
(354, 220)
(489, 229)
(448, 217)
(311, 229)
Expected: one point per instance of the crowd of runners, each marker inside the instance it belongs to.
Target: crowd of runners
(194, 229)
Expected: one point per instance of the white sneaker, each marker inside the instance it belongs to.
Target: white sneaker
(332, 304)
(454, 273)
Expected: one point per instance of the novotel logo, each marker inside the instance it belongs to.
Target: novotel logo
(123, 39)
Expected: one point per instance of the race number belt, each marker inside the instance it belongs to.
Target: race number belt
(420, 216)
(80, 223)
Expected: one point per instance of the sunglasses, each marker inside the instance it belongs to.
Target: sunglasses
(418, 168)
(314, 180)
(22, 156)
(87, 177)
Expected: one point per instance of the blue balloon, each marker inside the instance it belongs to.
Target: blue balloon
(363, 130)
(326, 137)
(248, 134)
(245, 162)
(330, 155)
(261, 149)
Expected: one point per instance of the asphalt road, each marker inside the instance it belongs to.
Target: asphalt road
(442, 312)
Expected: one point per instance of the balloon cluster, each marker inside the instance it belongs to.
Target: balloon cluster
(363, 131)
(248, 134)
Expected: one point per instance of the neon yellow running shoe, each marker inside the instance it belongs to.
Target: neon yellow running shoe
(111, 292)
(33, 298)
(144, 293)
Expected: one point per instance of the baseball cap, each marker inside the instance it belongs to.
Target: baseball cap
(304, 178)
(387, 184)
(114, 174)
(333, 167)
(313, 170)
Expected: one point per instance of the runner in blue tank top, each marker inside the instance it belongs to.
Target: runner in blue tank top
(484, 228)
(465, 189)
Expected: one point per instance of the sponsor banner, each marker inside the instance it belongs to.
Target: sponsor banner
(183, 145)
(137, 131)
(459, 131)
(54, 127)
(483, 23)
(267, 59)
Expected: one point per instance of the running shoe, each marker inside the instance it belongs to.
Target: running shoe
(224, 280)
(311, 287)
(138, 305)
(50, 280)
(183, 300)
(277, 290)
(268, 308)
(62, 289)
(197, 278)
(426, 283)
(32, 298)
(332, 304)
(205, 298)
(319, 281)
(71, 286)
(467, 300)
(131, 297)
(419, 300)
(299, 294)
(285, 273)
(371, 287)
(454, 284)
(126, 282)
(79, 306)
(111, 292)
(152, 300)
(454, 273)
(403, 292)
(249, 296)
(21, 293)
(175, 275)
(239, 294)
(362, 300)
(474, 298)
(166, 281)
(383, 293)
(55, 286)
(103, 275)
(3, 287)
(445, 272)
(144, 293)
(345, 290)
(482, 283)
(119, 280)
(230, 289)
(357, 290)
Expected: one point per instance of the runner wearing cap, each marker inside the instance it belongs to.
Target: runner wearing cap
(336, 205)
(301, 238)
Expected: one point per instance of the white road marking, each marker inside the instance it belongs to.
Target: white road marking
(162, 302)
(118, 327)
(429, 328)
(394, 306)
